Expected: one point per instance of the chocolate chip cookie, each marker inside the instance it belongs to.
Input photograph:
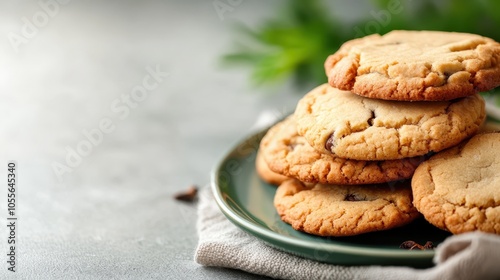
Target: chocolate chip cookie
(289, 154)
(267, 174)
(416, 65)
(355, 127)
(458, 190)
(337, 210)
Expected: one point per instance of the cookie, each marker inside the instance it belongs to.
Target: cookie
(355, 127)
(267, 174)
(458, 190)
(416, 65)
(288, 153)
(338, 210)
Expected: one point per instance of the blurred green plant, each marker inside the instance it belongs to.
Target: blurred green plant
(295, 43)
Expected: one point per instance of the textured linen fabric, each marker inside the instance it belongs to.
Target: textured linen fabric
(467, 256)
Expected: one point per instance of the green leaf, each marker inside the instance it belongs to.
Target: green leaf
(242, 57)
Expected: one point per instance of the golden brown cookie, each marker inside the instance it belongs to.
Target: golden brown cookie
(416, 65)
(267, 174)
(458, 190)
(289, 154)
(356, 127)
(337, 210)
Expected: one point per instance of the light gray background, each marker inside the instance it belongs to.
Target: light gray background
(113, 215)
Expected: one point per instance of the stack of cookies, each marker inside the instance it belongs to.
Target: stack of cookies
(392, 136)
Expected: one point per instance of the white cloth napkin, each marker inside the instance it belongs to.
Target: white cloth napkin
(467, 256)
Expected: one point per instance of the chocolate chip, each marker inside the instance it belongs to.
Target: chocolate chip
(353, 197)
(189, 195)
(372, 117)
(330, 143)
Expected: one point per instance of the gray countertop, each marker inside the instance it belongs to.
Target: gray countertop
(109, 108)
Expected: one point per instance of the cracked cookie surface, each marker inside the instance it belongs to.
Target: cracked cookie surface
(341, 210)
(356, 127)
(458, 190)
(289, 154)
(265, 173)
(416, 65)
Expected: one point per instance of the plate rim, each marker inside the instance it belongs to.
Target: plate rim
(256, 230)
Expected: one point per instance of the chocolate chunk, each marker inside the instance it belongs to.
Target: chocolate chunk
(372, 118)
(189, 195)
(353, 197)
(330, 143)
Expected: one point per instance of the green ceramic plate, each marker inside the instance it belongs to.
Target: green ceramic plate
(247, 201)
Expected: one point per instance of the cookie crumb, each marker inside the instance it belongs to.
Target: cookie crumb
(189, 195)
